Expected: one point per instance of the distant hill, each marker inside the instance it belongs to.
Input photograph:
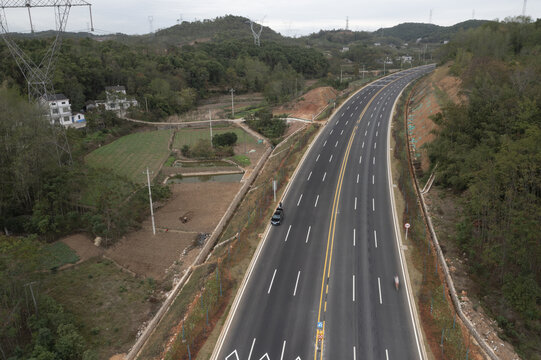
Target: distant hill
(410, 32)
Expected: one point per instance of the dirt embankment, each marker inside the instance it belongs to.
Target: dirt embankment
(308, 105)
(429, 96)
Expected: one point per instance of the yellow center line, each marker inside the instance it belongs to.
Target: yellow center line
(332, 225)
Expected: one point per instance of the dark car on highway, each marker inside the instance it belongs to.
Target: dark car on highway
(278, 216)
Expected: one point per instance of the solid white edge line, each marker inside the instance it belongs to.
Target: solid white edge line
(283, 348)
(379, 288)
(251, 349)
(296, 283)
(287, 235)
(272, 280)
(398, 237)
(308, 233)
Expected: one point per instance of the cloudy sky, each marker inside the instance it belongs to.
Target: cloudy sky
(289, 17)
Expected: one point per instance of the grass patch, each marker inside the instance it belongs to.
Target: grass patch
(241, 160)
(58, 254)
(130, 155)
(246, 111)
(191, 136)
(170, 161)
(108, 304)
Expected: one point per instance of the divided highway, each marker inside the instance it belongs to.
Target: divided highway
(328, 269)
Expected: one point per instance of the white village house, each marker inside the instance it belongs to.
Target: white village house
(117, 100)
(59, 111)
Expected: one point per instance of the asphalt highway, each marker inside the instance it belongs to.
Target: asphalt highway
(322, 286)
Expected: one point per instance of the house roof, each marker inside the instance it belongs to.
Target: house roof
(115, 88)
(55, 97)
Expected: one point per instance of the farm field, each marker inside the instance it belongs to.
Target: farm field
(191, 136)
(130, 155)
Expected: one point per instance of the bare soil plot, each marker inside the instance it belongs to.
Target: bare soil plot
(308, 105)
(151, 255)
(83, 245)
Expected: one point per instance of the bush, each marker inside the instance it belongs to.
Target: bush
(225, 139)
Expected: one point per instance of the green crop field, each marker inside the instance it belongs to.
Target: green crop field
(190, 136)
(130, 155)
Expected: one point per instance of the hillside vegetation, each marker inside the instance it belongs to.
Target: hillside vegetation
(488, 151)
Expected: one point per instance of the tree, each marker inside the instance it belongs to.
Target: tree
(225, 139)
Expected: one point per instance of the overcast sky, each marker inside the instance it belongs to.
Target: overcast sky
(289, 17)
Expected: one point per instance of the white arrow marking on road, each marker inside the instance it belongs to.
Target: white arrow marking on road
(236, 355)
(251, 349)
(289, 229)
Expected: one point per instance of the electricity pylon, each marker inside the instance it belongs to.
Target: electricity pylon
(39, 75)
(257, 34)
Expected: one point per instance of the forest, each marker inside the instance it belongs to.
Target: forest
(488, 150)
(169, 79)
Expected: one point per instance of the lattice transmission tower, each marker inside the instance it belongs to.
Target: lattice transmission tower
(38, 76)
(256, 34)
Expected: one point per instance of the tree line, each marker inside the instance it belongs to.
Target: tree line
(488, 150)
(171, 79)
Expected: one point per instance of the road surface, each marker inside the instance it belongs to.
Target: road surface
(328, 271)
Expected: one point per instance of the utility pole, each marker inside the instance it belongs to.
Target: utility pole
(210, 122)
(232, 104)
(150, 199)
